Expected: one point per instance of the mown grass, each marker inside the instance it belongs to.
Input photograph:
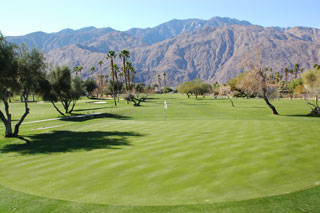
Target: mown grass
(200, 155)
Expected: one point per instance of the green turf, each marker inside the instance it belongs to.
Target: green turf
(199, 153)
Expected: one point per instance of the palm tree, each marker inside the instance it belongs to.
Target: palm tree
(164, 79)
(296, 70)
(111, 55)
(159, 81)
(286, 70)
(270, 78)
(316, 66)
(132, 74)
(101, 78)
(128, 70)
(79, 69)
(116, 70)
(76, 70)
(121, 75)
(277, 76)
(131, 70)
(107, 80)
(93, 69)
(124, 54)
(291, 73)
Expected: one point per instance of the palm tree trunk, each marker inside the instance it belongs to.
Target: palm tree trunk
(117, 86)
(286, 76)
(125, 72)
(112, 70)
(101, 82)
(129, 88)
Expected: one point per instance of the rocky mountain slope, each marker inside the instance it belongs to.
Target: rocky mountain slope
(184, 49)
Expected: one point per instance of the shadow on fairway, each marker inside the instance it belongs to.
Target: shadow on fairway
(80, 110)
(69, 141)
(84, 117)
(253, 107)
(306, 116)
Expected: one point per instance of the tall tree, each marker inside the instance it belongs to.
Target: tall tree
(311, 81)
(131, 71)
(115, 71)
(62, 88)
(254, 82)
(101, 79)
(80, 68)
(112, 55)
(270, 78)
(164, 79)
(316, 66)
(124, 54)
(291, 74)
(159, 81)
(22, 73)
(277, 77)
(76, 69)
(93, 69)
(296, 70)
(107, 80)
(8, 80)
(90, 86)
(286, 70)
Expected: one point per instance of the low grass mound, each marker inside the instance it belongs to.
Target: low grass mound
(198, 152)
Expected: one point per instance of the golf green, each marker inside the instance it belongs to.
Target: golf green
(197, 152)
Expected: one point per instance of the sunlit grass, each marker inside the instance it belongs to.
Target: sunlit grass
(199, 152)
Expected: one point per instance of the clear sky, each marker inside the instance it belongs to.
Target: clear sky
(18, 17)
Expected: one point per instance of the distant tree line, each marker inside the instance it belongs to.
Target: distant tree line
(263, 82)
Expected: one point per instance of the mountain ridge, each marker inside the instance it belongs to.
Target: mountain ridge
(184, 49)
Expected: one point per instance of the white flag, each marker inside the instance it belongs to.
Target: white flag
(165, 105)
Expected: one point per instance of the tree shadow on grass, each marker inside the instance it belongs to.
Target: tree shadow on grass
(306, 116)
(69, 141)
(85, 117)
(253, 107)
(90, 109)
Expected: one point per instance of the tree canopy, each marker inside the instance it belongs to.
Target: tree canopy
(22, 72)
(311, 80)
(195, 87)
(63, 88)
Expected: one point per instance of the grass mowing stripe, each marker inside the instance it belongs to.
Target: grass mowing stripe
(206, 151)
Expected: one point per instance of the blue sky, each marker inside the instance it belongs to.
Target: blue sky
(18, 17)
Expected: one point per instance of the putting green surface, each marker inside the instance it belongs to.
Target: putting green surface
(198, 152)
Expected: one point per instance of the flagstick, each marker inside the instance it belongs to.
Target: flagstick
(165, 109)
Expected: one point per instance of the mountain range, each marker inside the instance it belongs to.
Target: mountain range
(183, 49)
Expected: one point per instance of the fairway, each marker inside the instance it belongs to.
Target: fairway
(198, 152)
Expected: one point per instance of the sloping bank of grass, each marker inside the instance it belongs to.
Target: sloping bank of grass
(302, 201)
(201, 155)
